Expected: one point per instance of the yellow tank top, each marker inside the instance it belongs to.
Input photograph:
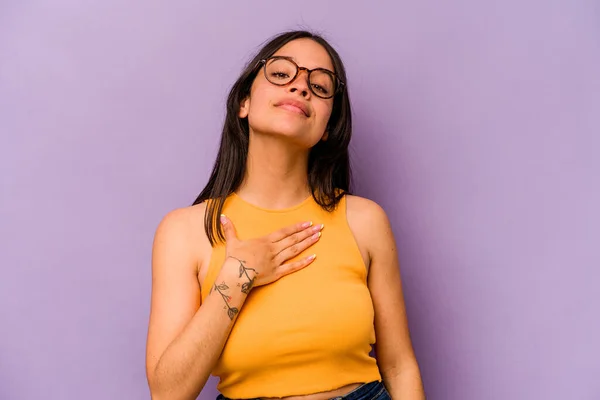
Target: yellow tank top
(310, 331)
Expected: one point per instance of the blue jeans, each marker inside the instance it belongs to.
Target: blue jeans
(368, 391)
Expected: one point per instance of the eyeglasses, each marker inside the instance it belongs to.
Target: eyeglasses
(280, 71)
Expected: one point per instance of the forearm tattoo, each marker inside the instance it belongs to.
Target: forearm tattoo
(231, 311)
(246, 286)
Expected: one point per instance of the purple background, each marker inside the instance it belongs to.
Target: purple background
(477, 129)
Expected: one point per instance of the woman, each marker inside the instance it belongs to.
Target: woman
(276, 279)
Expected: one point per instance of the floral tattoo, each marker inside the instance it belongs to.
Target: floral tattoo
(246, 286)
(231, 311)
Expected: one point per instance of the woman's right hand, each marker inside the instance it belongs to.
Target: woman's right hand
(262, 260)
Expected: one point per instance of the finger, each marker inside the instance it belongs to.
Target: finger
(295, 238)
(288, 230)
(228, 228)
(295, 249)
(287, 269)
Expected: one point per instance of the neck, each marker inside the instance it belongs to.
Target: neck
(276, 173)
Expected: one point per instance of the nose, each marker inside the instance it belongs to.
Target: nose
(300, 84)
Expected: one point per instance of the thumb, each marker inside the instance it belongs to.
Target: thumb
(228, 228)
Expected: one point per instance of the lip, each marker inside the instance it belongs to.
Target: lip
(294, 105)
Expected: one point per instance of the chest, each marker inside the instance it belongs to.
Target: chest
(343, 236)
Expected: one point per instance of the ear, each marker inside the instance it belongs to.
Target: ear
(244, 108)
(325, 136)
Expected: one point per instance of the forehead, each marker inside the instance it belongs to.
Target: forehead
(307, 53)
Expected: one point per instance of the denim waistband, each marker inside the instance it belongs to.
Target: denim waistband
(368, 391)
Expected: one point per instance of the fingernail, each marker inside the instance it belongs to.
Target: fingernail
(307, 224)
(223, 219)
(316, 235)
(312, 257)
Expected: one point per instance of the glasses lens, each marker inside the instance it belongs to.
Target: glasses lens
(280, 71)
(322, 83)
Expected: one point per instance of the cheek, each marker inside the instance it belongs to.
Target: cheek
(323, 113)
(258, 113)
(259, 104)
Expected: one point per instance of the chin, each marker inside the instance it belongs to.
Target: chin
(297, 128)
(287, 125)
(300, 136)
(293, 130)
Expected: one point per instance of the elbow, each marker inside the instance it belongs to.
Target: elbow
(404, 368)
(155, 390)
(157, 394)
(161, 391)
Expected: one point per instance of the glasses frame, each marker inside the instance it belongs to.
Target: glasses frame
(339, 84)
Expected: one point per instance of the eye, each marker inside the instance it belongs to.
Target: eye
(279, 75)
(320, 89)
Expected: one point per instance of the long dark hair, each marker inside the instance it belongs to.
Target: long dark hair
(329, 174)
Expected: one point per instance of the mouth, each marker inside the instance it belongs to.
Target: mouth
(294, 107)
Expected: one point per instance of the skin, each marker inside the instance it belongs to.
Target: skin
(185, 338)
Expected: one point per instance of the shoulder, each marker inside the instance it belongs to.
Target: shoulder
(369, 223)
(182, 230)
(366, 211)
(181, 221)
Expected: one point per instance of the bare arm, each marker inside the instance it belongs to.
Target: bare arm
(184, 339)
(395, 354)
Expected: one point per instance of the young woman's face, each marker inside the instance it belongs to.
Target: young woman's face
(273, 110)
